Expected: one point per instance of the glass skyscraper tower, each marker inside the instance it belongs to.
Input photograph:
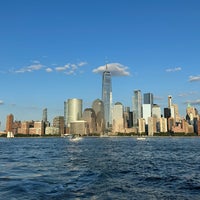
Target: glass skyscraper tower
(107, 97)
(137, 107)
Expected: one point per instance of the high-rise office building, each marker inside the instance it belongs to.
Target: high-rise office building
(156, 111)
(107, 97)
(90, 117)
(147, 106)
(98, 108)
(72, 110)
(44, 115)
(137, 107)
(58, 122)
(118, 118)
(9, 123)
(148, 98)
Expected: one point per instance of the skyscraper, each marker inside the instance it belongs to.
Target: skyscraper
(98, 108)
(137, 106)
(72, 110)
(148, 98)
(118, 118)
(147, 106)
(107, 97)
(9, 123)
(44, 115)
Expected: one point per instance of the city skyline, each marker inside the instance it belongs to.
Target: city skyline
(51, 52)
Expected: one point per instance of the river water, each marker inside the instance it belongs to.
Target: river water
(100, 168)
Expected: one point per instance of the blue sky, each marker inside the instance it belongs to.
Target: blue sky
(52, 50)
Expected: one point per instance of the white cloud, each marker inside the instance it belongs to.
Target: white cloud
(80, 64)
(59, 69)
(30, 68)
(70, 68)
(194, 78)
(49, 70)
(1, 102)
(116, 69)
(174, 69)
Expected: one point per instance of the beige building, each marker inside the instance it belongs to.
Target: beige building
(141, 125)
(78, 127)
(52, 130)
(90, 117)
(118, 118)
(163, 125)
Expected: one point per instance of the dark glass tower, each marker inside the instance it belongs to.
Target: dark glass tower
(137, 106)
(107, 97)
(148, 98)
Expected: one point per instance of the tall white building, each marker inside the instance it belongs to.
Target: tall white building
(118, 118)
(147, 106)
(72, 110)
(146, 111)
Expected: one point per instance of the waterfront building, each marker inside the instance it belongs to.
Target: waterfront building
(147, 106)
(59, 123)
(150, 126)
(141, 125)
(163, 125)
(50, 130)
(9, 123)
(44, 115)
(156, 111)
(118, 118)
(25, 127)
(98, 108)
(37, 129)
(137, 107)
(171, 123)
(128, 118)
(107, 97)
(176, 113)
(78, 127)
(90, 117)
(146, 111)
(72, 110)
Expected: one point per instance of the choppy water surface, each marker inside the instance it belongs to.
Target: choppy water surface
(100, 168)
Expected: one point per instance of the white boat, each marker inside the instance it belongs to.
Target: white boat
(75, 138)
(10, 134)
(141, 138)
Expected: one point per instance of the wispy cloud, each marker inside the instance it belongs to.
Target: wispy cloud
(193, 102)
(194, 78)
(30, 68)
(158, 98)
(48, 70)
(116, 69)
(173, 69)
(192, 93)
(70, 68)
